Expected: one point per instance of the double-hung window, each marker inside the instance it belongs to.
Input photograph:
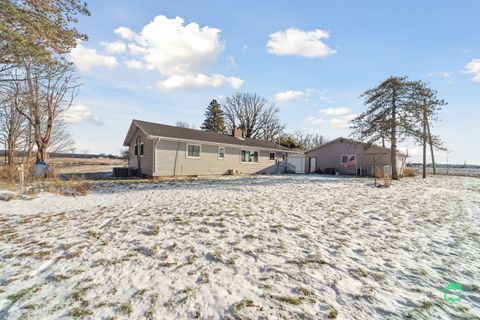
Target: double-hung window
(249, 156)
(347, 157)
(272, 156)
(193, 151)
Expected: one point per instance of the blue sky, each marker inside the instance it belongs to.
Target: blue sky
(163, 61)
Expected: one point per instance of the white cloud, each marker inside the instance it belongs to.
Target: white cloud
(334, 111)
(135, 64)
(349, 117)
(314, 120)
(296, 42)
(339, 123)
(180, 52)
(125, 33)
(289, 95)
(80, 113)
(198, 81)
(172, 48)
(85, 58)
(115, 47)
(474, 68)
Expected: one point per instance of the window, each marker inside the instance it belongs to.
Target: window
(193, 151)
(221, 152)
(272, 156)
(136, 150)
(347, 157)
(249, 156)
(141, 149)
(284, 157)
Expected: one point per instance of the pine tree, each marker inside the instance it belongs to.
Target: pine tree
(388, 115)
(214, 118)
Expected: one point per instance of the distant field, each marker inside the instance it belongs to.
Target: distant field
(86, 166)
(441, 170)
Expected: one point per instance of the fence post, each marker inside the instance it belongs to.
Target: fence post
(22, 175)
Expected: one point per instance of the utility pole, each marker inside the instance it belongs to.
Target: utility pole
(424, 171)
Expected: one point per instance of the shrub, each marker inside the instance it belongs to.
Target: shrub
(410, 172)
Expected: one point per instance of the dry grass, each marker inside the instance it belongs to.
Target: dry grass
(410, 172)
(33, 183)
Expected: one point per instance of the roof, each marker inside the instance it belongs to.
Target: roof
(157, 130)
(387, 150)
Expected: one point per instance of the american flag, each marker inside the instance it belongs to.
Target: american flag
(351, 162)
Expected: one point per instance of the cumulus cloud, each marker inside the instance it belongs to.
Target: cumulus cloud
(296, 42)
(125, 33)
(314, 120)
(180, 52)
(289, 95)
(173, 48)
(85, 58)
(115, 47)
(334, 111)
(474, 68)
(80, 113)
(198, 81)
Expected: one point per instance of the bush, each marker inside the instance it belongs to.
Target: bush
(410, 172)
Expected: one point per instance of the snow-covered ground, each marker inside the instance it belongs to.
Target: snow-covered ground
(276, 247)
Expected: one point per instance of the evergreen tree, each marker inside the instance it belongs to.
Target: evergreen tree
(389, 115)
(214, 118)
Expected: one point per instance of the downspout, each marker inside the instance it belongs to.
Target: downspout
(176, 157)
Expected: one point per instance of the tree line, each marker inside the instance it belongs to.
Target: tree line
(37, 84)
(257, 118)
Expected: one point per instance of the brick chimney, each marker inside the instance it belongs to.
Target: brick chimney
(237, 133)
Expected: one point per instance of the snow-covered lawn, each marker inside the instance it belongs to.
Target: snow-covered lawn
(276, 247)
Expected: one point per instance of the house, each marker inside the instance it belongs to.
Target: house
(162, 150)
(352, 157)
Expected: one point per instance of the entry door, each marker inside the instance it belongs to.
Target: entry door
(313, 164)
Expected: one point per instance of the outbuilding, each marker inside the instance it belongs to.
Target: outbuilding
(347, 156)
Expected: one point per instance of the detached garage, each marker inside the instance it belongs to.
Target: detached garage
(352, 157)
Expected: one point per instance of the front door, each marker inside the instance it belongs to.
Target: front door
(313, 164)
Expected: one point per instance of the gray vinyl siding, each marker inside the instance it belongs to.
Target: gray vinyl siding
(171, 159)
(146, 162)
(329, 156)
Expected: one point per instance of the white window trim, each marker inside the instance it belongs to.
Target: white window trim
(348, 157)
(199, 153)
(252, 162)
(218, 153)
(274, 157)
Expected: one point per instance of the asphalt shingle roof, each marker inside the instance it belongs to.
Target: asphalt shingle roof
(163, 130)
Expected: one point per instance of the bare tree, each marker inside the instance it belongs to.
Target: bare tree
(50, 90)
(309, 141)
(254, 115)
(186, 125)
(426, 109)
(12, 122)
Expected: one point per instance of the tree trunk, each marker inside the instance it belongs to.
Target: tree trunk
(393, 138)
(431, 147)
(424, 168)
(41, 152)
